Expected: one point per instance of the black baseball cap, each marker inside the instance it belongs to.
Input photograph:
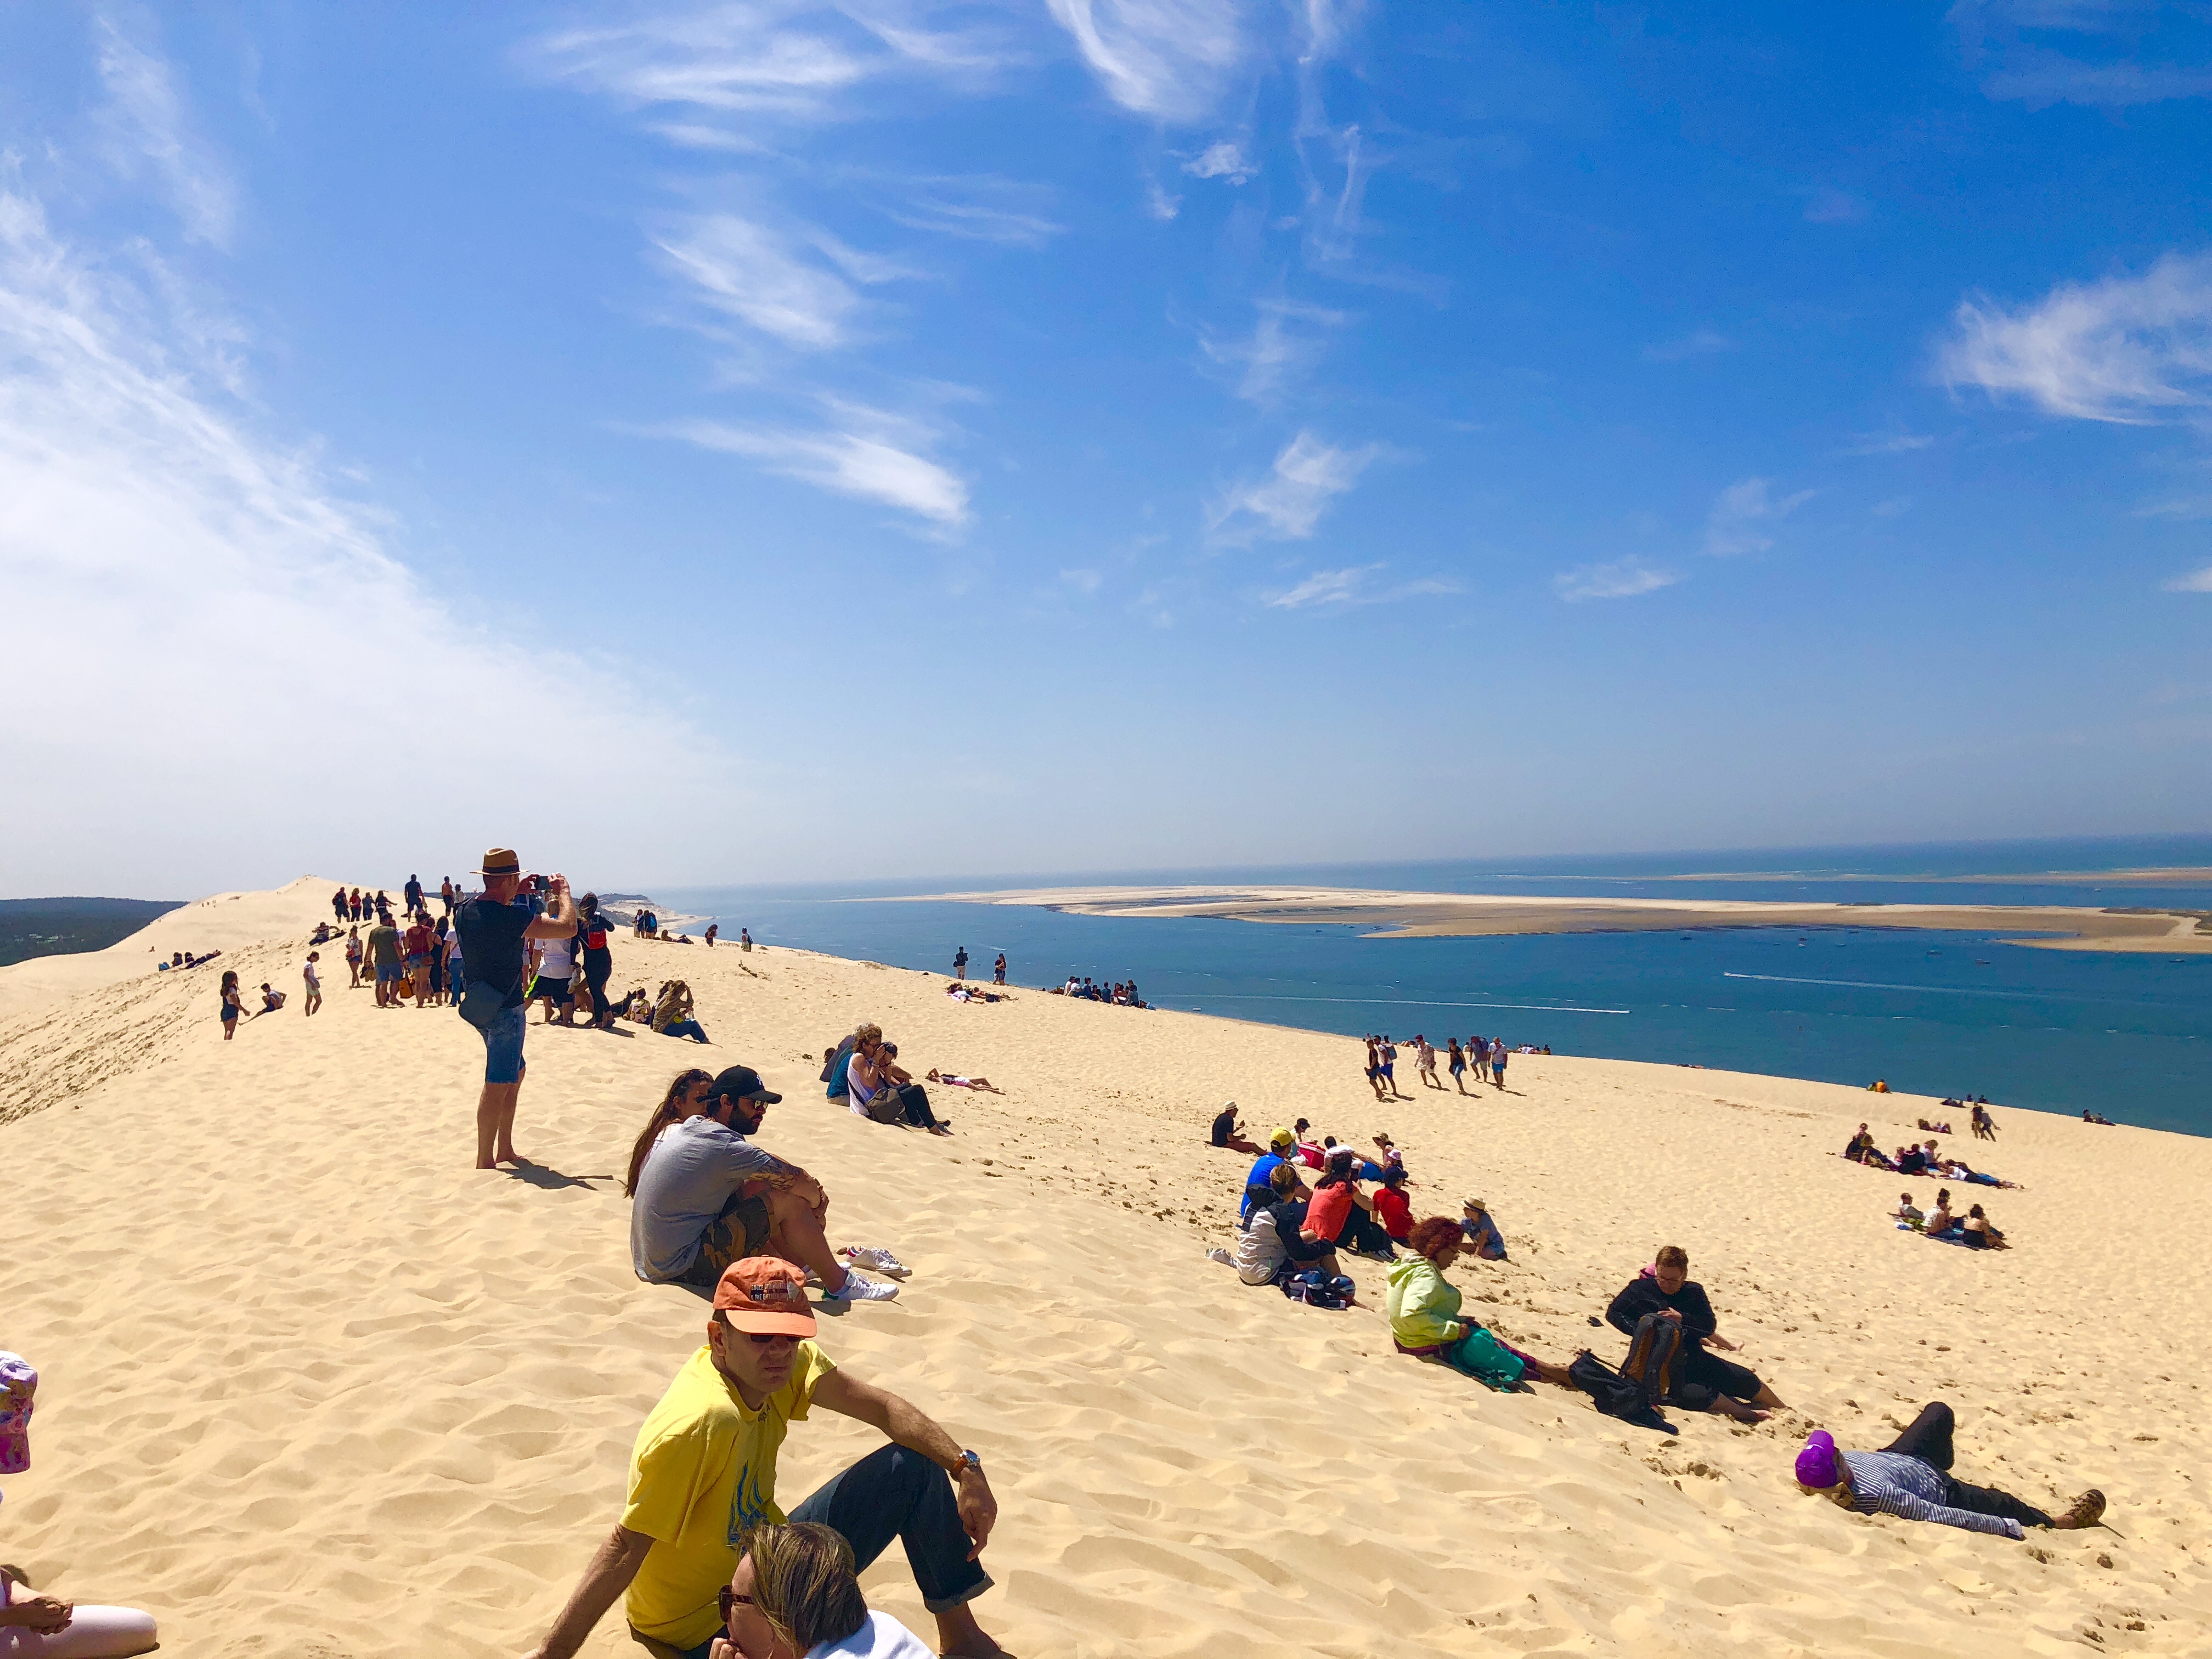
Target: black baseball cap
(741, 1083)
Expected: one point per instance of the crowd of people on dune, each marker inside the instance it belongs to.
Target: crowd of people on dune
(706, 1563)
(1290, 1235)
(1485, 1057)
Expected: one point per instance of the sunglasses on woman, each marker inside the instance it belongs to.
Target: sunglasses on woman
(727, 1598)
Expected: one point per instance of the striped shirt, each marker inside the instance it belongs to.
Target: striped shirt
(1891, 1483)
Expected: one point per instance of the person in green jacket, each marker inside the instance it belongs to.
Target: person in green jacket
(1424, 1317)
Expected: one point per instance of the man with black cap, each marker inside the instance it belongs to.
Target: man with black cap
(706, 1196)
(494, 928)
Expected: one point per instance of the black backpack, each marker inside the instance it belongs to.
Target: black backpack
(1614, 1395)
(1654, 1356)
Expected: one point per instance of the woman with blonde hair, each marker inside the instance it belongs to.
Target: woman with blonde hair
(683, 1096)
(794, 1595)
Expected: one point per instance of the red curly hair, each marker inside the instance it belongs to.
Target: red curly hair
(1429, 1238)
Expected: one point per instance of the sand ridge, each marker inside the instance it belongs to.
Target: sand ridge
(313, 1386)
(1393, 915)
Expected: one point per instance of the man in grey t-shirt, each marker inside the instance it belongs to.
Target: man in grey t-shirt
(707, 1196)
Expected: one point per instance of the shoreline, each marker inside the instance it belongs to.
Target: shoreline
(1390, 915)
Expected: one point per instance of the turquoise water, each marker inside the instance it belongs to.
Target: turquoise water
(2128, 1036)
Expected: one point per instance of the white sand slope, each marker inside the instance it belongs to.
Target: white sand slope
(312, 1386)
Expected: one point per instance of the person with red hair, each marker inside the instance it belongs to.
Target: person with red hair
(1425, 1314)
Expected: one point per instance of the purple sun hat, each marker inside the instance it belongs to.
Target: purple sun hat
(1816, 1463)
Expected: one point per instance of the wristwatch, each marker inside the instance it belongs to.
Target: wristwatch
(968, 1460)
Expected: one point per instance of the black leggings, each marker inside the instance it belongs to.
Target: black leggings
(597, 979)
(1361, 1231)
(1928, 1439)
(913, 1104)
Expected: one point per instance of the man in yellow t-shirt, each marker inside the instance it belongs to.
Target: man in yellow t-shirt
(703, 1471)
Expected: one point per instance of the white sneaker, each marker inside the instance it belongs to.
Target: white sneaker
(857, 1289)
(1217, 1254)
(875, 1256)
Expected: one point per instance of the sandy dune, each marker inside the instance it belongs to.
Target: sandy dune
(313, 1387)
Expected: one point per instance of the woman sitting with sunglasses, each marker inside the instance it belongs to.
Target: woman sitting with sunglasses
(794, 1597)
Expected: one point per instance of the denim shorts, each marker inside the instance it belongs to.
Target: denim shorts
(387, 973)
(503, 1047)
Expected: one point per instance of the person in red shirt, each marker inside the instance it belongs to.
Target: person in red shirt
(415, 944)
(1391, 1207)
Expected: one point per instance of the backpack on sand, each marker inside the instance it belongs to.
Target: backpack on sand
(1654, 1356)
(1614, 1395)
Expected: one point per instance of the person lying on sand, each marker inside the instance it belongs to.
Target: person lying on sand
(704, 1196)
(1227, 1131)
(1666, 1286)
(1953, 1168)
(1274, 1245)
(1423, 1307)
(2087, 1116)
(702, 1475)
(1910, 1479)
(794, 1595)
(954, 1081)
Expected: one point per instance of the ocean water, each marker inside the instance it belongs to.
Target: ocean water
(2126, 1035)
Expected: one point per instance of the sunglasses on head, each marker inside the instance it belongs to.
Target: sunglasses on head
(727, 1598)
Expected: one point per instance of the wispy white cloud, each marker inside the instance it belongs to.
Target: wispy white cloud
(1285, 341)
(1886, 443)
(1616, 579)
(180, 576)
(2126, 349)
(1288, 503)
(2196, 581)
(1326, 587)
(1223, 159)
(1085, 582)
(972, 209)
(150, 130)
(2109, 54)
(1355, 585)
(1164, 58)
(763, 276)
(1744, 515)
(1158, 203)
(870, 458)
(749, 59)
(1698, 342)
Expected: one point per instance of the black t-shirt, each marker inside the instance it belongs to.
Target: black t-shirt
(492, 942)
(1222, 1126)
(1643, 1296)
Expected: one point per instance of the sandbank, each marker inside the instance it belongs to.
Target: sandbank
(1409, 915)
(312, 1386)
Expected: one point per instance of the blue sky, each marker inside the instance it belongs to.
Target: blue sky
(763, 440)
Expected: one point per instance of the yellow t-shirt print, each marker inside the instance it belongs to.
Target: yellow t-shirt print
(702, 1471)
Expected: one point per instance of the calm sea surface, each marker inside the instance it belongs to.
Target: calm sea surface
(2126, 1035)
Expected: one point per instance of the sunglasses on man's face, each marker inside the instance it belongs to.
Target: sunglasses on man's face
(727, 1598)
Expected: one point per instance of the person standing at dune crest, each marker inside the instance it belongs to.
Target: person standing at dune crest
(493, 929)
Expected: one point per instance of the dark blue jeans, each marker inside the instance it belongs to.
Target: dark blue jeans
(893, 1492)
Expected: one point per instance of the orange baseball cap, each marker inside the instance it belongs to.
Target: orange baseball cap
(766, 1295)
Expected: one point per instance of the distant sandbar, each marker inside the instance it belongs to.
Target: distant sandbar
(1407, 915)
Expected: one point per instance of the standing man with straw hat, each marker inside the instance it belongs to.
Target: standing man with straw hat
(495, 929)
